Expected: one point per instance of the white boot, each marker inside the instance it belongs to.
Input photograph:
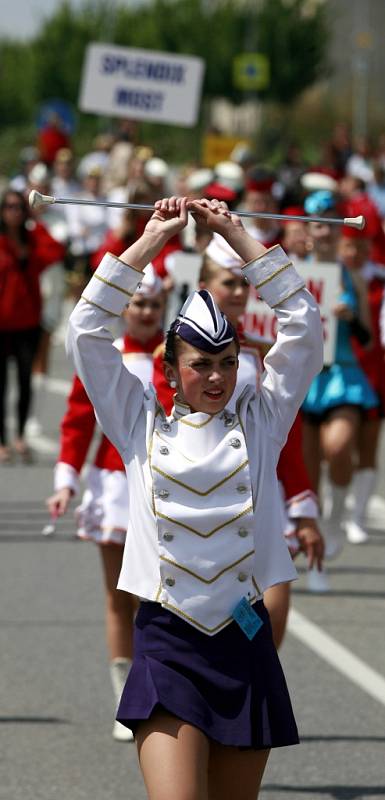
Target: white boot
(362, 488)
(317, 581)
(119, 669)
(331, 520)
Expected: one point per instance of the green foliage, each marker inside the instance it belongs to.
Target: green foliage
(17, 95)
(295, 43)
(59, 48)
(293, 39)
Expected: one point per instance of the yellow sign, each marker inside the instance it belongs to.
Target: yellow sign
(364, 40)
(218, 148)
(251, 71)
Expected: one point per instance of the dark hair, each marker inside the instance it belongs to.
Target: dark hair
(172, 338)
(23, 231)
(170, 345)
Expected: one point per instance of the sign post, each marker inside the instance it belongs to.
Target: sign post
(141, 84)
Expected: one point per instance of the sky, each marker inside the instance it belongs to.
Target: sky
(21, 19)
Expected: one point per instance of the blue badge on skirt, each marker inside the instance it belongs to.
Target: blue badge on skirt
(247, 619)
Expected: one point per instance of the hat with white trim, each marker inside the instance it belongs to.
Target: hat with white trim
(219, 250)
(155, 168)
(318, 181)
(151, 283)
(201, 323)
(229, 174)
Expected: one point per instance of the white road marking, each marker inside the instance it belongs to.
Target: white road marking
(337, 655)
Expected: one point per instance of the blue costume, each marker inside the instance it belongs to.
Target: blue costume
(344, 382)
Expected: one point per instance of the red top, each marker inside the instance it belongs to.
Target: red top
(78, 423)
(20, 299)
(112, 244)
(115, 244)
(363, 204)
(50, 140)
(372, 358)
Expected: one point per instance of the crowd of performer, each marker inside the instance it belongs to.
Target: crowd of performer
(47, 258)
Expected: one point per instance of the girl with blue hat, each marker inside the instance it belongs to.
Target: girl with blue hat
(205, 697)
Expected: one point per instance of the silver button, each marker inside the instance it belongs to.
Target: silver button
(235, 443)
(168, 537)
(164, 450)
(165, 426)
(242, 577)
(163, 493)
(243, 532)
(170, 582)
(241, 488)
(228, 422)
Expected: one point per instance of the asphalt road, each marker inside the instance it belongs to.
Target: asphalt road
(56, 707)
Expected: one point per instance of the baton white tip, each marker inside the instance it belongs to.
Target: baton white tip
(355, 222)
(36, 199)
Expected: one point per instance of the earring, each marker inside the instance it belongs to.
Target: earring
(173, 384)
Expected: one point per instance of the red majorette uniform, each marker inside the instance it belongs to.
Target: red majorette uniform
(102, 514)
(299, 499)
(113, 243)
(372, 359)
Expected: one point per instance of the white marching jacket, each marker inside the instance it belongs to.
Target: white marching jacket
(204, 527)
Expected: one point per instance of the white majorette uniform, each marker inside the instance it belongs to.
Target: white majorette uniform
(204, 525)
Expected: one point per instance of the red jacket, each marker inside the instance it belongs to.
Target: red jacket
(20, 299)
(78, 423)
(115, 245)
(50, 140)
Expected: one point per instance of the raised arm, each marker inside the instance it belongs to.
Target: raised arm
(116, 395)
(297, 355)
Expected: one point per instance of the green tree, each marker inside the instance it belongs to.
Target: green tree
(293, 39)
(293, 34)
(60, 46)
(17, 91)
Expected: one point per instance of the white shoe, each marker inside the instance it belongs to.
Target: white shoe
(33, 427)
(355, 533)
(122, 734)
(317, 581)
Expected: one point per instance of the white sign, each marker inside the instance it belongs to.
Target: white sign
(184, 269)
(324, 282)
(141, 84)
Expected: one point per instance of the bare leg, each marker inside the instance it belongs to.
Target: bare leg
(40, 362)
(173, 757)
(277, 601)
(338, 439)
(120, 606)
(312, 452)
(368, 439)
(235, 773)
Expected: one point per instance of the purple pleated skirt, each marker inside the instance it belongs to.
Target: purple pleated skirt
(232, 688)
